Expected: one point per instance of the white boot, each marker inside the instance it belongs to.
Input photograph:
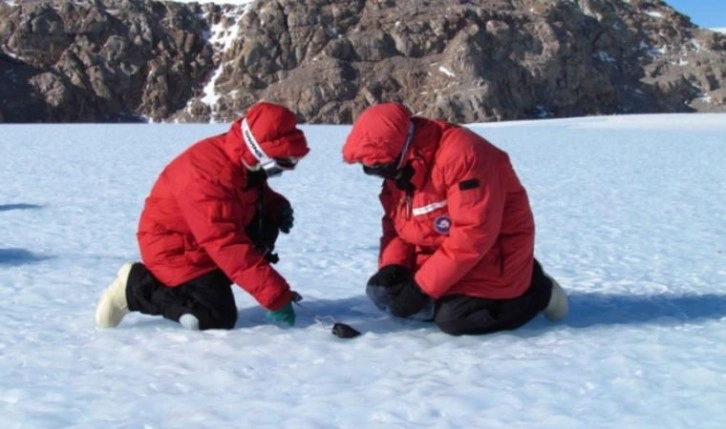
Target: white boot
(558, 306)
(112, 307)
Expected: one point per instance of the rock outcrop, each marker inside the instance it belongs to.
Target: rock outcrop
(465, 61)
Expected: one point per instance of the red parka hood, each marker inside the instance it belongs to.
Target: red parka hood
(275, 129)
(378, 135)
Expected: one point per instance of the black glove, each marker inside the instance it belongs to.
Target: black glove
(389, 276)
(263, 234)
(407, 298)
(286, 219)
(272, 258)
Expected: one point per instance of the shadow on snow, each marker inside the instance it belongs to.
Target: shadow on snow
(357, 311)
(21, 206)
(587, 309)
(18, 257)
(592, 308)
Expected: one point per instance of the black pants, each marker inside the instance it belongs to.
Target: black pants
(208, 297)
(467, 315)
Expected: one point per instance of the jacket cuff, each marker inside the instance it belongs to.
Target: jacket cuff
(425, 287)
(280, 301)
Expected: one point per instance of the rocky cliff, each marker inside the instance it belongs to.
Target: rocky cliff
(465, 61)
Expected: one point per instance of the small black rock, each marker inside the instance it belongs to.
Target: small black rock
(341, 330)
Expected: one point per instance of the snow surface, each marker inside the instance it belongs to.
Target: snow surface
(630, 217)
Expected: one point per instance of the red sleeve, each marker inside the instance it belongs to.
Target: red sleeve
(212, 213)
(393, 249)
(476, 215)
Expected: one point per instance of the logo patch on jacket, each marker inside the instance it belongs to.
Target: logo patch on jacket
(442, 224)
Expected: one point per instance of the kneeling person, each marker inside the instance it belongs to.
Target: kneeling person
(212, 220)
(458, 231)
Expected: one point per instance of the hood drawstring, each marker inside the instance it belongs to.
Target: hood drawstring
(409, 204)
(408, 192)
(406, 145)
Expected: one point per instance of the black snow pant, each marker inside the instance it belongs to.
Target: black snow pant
(208, 297)
(467, 315)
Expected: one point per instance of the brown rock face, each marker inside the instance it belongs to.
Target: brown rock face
(99, 61)
(464, 61)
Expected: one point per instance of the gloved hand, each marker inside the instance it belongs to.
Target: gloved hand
(406, 298)
(286, 219)
(263, 233)
(286, 314)
(389, 276)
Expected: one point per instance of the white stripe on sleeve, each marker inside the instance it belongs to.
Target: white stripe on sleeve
(418, 211)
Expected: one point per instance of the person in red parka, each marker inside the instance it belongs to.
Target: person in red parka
(458, 231)
(211, 220)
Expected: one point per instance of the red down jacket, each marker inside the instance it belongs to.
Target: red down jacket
(468, 227)
(194, 219)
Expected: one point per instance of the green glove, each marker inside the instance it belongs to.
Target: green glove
(286, 314)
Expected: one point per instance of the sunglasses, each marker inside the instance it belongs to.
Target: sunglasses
(385, 171)
(276, 166)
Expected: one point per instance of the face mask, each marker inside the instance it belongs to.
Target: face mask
(403, 181)
(402, 176)
(384, 171)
